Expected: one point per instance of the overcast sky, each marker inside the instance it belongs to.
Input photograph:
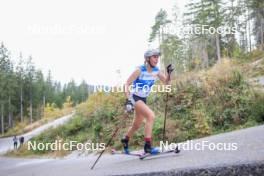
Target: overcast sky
(81, 39)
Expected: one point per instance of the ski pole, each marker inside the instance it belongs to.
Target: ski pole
(169, 70)
(165, 116)
(110, 140)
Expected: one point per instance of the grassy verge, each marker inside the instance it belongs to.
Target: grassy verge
(51, 113)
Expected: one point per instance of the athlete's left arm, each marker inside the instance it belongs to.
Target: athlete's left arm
(164, 78)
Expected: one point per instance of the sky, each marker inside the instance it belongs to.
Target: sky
(99, 41)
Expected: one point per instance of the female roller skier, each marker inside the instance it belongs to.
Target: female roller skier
(141, 80)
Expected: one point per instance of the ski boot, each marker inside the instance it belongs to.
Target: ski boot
(124, 141)
(149, 149)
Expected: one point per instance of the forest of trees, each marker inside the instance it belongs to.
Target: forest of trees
(202, 50)
(24, 91)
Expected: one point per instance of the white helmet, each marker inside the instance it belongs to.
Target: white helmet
(152, 52)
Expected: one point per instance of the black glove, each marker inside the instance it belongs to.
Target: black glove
(169, 69)
(129, 106)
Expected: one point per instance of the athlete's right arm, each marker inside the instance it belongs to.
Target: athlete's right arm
(131, 78)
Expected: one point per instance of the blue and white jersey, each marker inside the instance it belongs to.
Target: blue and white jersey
(142, 85)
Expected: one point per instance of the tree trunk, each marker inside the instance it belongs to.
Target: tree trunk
(21, 105)
(9, 113)
(31, 110)
(217, 47)
(205, 58)
(204, 54)
(162, 59)
(2, 118)
(40, 111)
(249, 30)
(162, 42)
(261, 34)
(44, 104)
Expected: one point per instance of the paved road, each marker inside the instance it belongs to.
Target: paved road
(250, 148)
(7, 143)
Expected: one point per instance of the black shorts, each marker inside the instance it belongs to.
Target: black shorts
(136, 98)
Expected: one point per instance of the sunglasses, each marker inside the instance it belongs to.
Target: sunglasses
(156, 56)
